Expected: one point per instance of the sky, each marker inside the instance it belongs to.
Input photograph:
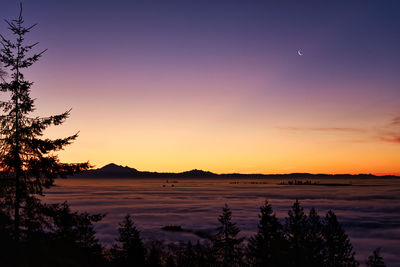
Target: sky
(220, 85)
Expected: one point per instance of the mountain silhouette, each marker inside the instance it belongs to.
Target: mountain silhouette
(112, 167)
(113, 170)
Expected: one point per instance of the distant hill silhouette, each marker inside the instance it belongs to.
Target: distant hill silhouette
(112, 170)
(117, 171)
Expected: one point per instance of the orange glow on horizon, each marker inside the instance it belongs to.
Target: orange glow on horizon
(183, 146)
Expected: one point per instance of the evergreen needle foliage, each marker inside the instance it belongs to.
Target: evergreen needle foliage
(226, 244)
(267, 247)
(296, 234)
(129, 250)
(3, 74)
(375, 260)
(338, 249)
(28, 162)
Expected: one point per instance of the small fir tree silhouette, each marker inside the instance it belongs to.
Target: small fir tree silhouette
(338, 250)
(204, 254)
(226, 244)
(72, 236)
(198, 255)
(155, 254)
(186, 256)
(170, 262)
(57, 237)
(314, 240)
(27, 161)
(376, 260)
(129, 250)
(296, 227)
(268, 246)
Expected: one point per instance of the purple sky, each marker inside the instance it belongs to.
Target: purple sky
(219, 85)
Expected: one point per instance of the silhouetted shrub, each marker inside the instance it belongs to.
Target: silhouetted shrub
(375, 260)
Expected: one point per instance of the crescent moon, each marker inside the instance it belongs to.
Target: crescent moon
(299, 53)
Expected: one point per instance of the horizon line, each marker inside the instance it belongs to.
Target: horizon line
(228, 173)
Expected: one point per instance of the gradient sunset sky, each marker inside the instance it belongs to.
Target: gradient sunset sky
(219, 85)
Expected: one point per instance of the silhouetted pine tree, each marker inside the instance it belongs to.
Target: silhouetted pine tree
(170, 262)
(375, 260)
(199, 255)
(338, 250)
(186, 255)
(226, 244)
(155, 254)
(7, 242)
(27, 161)
(189, 255)
(69, 238)
(296, 229)
(59, 237)
(314, 241)
(204, 255)
(130, 250)
(268, 246)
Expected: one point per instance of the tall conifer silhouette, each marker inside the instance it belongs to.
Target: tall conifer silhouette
(268, 246)
(226, 243)
(27, 162)
(338, 249)
(129, 250)
(314, 245)
(296, 234)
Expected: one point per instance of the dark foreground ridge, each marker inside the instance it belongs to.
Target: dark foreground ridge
(117, 171)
